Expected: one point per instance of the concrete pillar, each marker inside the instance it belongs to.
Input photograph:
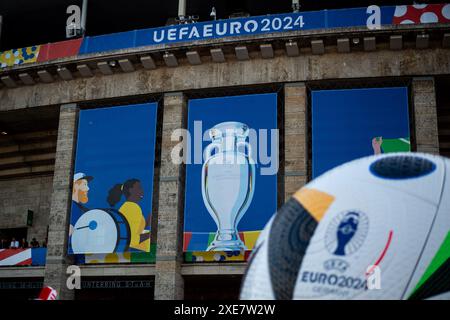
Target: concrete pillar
(169, 284)
(57, 260)
(425, 115)
(295, 137)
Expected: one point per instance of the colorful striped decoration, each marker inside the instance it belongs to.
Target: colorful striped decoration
(195, 244)
(216, 256)
(125, 257)
(23, 257)
(199, 241)
(15, 257)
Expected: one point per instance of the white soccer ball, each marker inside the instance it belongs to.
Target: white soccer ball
(374, 228)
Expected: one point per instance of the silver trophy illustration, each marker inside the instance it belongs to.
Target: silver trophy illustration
(228, 182)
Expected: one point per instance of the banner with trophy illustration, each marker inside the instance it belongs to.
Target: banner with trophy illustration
(113, 180)
(353, 123)
(231, 175)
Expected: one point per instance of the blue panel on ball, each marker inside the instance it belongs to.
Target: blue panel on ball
(402, 167)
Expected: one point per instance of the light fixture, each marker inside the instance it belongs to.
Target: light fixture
(296, 6)
(355, 40)
(213, 13)
(3, 133)
(112, 63)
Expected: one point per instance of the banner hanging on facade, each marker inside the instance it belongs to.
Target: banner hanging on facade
(231, 175)
(113, 180)
(350, 124)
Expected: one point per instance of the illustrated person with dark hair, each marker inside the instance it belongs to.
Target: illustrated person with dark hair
(133, 193)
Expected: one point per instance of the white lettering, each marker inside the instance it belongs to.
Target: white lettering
(373, 276)
(155, 35)
(75, 15)
(374, 20)
(235, 27)
(223, 31)
(74, 279)
(194, 33)
(207, 30)
(253, 23)
(172, 34)
(183, 32)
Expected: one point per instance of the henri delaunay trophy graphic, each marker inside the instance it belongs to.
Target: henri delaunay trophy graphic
(228, 182)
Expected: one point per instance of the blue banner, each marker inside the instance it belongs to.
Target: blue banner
(350, 124)
(231, 181)
(237, 27)
(113, 180)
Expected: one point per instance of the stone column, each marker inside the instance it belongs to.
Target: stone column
(295, 138)
(169, 284)
(57, 259)
(425, 115)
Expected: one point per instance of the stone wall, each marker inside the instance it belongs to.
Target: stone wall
(20, 195)
(383, 63)
(425, 115)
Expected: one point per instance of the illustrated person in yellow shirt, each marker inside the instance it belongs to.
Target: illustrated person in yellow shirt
(133, 193)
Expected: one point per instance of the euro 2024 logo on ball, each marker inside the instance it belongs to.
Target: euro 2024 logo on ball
(346, 233)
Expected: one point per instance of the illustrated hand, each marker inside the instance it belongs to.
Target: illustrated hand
(376, 144)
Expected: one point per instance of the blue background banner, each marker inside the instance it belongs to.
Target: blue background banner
(258, 112)
(344, 122)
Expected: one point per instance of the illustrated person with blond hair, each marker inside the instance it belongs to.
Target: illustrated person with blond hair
(133, 193)
(79, 197)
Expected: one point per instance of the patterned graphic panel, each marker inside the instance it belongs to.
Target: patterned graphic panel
(422, 13)
(204, 240)
(436, 278)
(112, 258)
(20, 56)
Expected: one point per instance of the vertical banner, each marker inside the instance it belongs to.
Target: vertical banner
(350, 124)
(231, 175)
(113, 181)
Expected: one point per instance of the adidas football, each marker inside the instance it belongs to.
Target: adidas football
(374, 228)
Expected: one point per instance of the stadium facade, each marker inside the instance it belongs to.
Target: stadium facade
(47, 93)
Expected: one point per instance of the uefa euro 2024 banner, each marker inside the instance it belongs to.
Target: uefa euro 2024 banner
(350, 124)
(231, 175)
(113, 180)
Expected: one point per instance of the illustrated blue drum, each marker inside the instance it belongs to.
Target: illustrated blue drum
(101, 231)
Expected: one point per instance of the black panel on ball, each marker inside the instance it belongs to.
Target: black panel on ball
(291, 231)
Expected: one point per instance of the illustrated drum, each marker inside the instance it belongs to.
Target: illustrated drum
(101, 231)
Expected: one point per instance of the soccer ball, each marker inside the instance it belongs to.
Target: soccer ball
(374, 228)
